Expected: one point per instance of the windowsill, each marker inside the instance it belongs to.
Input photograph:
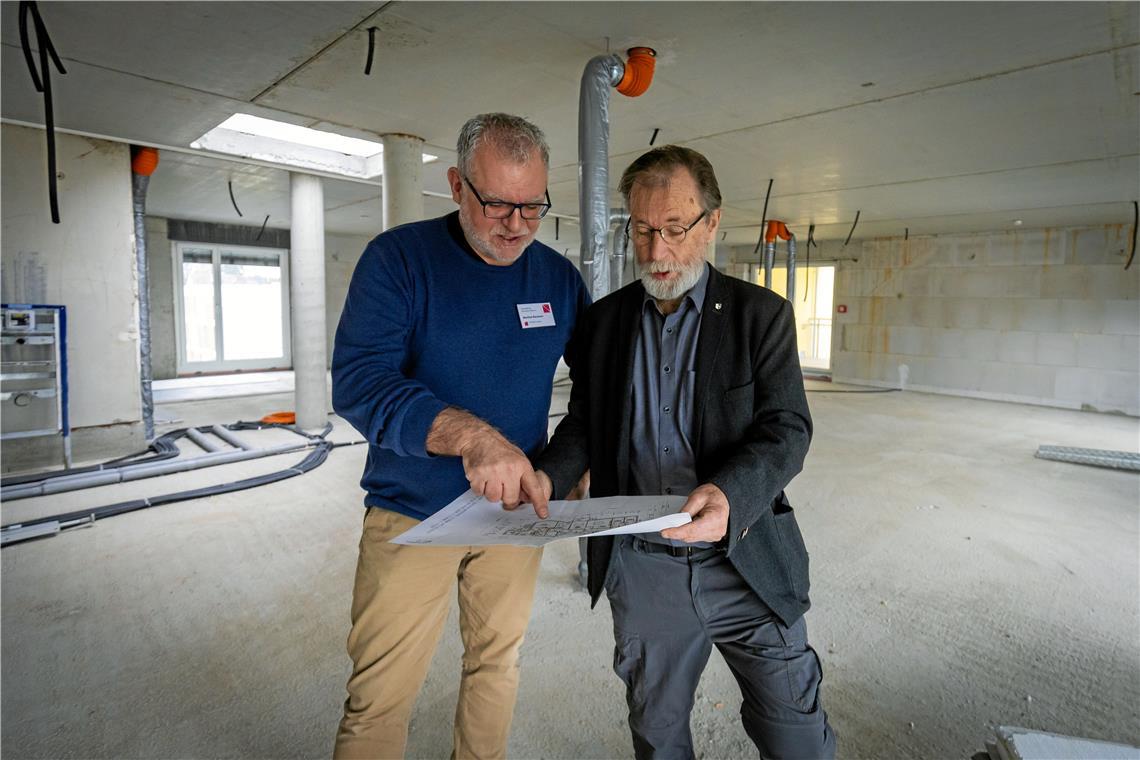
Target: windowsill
(221, 386)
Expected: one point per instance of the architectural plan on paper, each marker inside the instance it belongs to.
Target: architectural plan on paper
(472, 520)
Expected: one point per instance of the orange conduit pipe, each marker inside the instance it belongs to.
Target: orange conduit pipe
(638, 71)
(776, 229)
(144, 161)
(280, 418)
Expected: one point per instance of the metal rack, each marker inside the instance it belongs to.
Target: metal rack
(33, 373)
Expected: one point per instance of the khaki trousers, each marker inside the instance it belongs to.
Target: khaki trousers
(399, 604)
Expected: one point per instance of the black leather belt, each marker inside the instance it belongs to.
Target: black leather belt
(687, 552)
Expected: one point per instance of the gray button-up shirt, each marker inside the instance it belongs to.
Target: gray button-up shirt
(661, 458)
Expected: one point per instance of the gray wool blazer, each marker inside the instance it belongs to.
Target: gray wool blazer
(751, 431)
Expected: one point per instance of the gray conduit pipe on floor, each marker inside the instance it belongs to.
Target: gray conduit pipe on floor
(50, 526)
(202, 441)
(139, 472)
(230, 438)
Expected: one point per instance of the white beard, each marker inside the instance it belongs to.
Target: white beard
(670, 291)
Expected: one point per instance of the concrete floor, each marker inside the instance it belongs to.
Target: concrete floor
(957, 583)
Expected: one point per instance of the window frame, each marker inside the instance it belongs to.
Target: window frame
(221, 365)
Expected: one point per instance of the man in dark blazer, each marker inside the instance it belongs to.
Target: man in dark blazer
(688, 382)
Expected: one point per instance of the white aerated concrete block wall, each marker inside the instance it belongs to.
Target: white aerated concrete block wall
(1039, 316)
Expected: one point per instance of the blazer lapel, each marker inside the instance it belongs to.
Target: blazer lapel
(629, 317)
(714, 322)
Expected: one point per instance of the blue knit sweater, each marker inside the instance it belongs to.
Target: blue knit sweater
(427, 324)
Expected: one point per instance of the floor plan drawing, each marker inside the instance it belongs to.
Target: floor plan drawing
(577, 526)
(472, 520)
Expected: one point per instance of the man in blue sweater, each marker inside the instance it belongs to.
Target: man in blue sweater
(444, 360)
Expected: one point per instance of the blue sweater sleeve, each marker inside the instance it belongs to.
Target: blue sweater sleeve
(370, 351)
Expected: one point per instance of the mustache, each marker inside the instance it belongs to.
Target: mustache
(662, 267)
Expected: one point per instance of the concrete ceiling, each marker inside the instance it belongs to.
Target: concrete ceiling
(932, 117)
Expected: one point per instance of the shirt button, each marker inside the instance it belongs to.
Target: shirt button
(666, 449)
(668, 409)
(669, 330)
(668, 490)
(666, 370)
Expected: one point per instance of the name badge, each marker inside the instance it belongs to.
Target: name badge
(535, 315)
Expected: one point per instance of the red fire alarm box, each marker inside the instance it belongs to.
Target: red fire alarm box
(841, 308)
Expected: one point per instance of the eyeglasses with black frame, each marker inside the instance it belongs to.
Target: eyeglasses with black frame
(503, 209)
(672, 234)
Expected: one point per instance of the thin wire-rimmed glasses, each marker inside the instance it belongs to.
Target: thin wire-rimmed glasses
(672, 234)
(503, 209)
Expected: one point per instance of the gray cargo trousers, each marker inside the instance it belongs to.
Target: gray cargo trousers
(668, 611)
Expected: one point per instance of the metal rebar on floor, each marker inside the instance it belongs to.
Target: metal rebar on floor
(1116, 460)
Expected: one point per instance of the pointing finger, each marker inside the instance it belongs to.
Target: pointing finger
(537, 494)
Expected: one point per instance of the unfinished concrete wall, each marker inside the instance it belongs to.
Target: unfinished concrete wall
(160, 272)
(1039, 316)
(341, 254)
(87, 263)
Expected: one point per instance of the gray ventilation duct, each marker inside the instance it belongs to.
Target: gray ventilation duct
(632, 79)
(143, 163)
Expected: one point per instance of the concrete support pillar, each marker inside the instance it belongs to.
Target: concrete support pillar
(402, 181)
(307, 299)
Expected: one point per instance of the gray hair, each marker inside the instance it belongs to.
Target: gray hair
(512, 136)
(653, 168)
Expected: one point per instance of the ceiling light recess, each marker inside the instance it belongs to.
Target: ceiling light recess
(292, 145)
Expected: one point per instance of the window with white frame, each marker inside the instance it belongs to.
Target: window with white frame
(232, 305)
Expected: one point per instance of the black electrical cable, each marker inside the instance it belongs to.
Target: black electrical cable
(906, 234)
(852, 232)
(1135, 219)
(763, 216)
(371, 50)
(314, 459)
(162, 448)
(810, 243)
(43, 84)
(555, 228)
(653, 139)
(262, 230)
(230, 185)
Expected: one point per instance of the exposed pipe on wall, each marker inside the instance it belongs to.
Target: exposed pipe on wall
(778, 229)
(632, 79)
(143, 163)
(618, 254)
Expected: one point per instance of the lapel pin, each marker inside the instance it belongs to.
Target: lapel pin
(717, 306)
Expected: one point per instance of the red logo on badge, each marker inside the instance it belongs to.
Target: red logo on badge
(546, 308)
